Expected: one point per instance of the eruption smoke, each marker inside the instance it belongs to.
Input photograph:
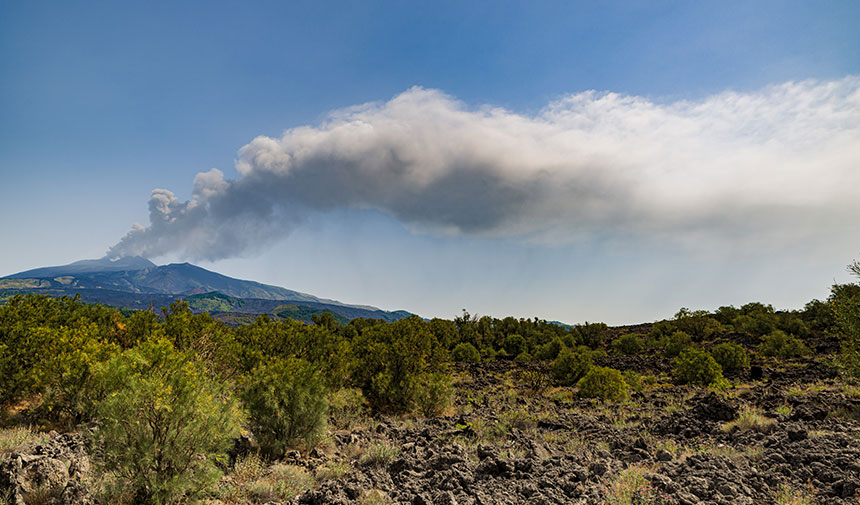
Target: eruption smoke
(780, 162)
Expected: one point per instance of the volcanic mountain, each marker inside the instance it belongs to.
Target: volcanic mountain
(137, 283)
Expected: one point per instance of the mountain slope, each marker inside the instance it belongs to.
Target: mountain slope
(137, 283)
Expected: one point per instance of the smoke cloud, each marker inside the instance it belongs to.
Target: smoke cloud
(780, 162)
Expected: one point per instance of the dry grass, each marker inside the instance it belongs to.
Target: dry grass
(380, 454)
(14, 438)
(631, 486)
(787, 495)
(374, 497)
(749, 418)
(251, 481)
(784, 409)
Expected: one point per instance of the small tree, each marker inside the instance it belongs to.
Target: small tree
(778, 343)
(845, 300)
(570, 366)
(697, 367)
(627, 344)
(164, 423)
(287, 404)
(731, 357)
(465, 351)
(604, 383)
(515, 345)
(676, 343)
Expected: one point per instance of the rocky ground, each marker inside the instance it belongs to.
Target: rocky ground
(791, 436)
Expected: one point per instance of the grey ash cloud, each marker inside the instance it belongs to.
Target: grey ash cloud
(779, 163)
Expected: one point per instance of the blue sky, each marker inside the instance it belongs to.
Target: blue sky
(104, 102)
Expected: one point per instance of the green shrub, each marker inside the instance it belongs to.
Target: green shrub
(693, 366)
(590, 334)
(515, 345)
(676, 343)
(634, 380)
(391, 359)
(731, 357)
(287, 405)
(164, 423)
(549, 350)
(602, 382)
(845, 300)
(465, 351)
(570, 366)
(697, 323)
(523, 357)
(433, 394)
(627, 344)
(778, 343)
(347, 406)
(660, 330)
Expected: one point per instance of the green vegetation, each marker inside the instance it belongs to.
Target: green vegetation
(305, 313)
(731, 357)
(164, 423)
(845, 303)
(777, 343)
(168, 390)
(604, 383)
(465, 351)
(213, 302)
(697, 367)
(571, 365)
(749, 418)
(286, 401)
(675, 343)
(628, 344)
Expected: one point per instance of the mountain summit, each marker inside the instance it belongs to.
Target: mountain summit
(136, 282)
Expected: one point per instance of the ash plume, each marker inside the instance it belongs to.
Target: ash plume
(782, 162)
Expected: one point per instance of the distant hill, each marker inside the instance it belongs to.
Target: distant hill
(137, 283)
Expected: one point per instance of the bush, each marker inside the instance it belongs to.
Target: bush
(549, 350)
(433, 394)
(287, 405)
(778, 343)
(731, 357)
(391, 359)
(627, 344)
(570, 366)
(693, 366)
(465, 351)
(676, 343)
(845, 299)
(633, 380)
(590, 334)
(602, 382)
(164, 423)
(347, 406)
(523, 357)
(515, 345)
(696, 323)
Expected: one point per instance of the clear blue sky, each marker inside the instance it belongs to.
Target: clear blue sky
(102, 102)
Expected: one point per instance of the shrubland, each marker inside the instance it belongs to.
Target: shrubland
(169, 391)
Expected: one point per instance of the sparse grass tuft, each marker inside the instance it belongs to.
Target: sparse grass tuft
(15, 438)
(787, 495)
(631, 486)
(251, 482)
(380, 454)
(750, 418)
(374, 497)
(332, 470)
(784, 409)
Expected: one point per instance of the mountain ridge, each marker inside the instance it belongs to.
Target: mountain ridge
(127, 282)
